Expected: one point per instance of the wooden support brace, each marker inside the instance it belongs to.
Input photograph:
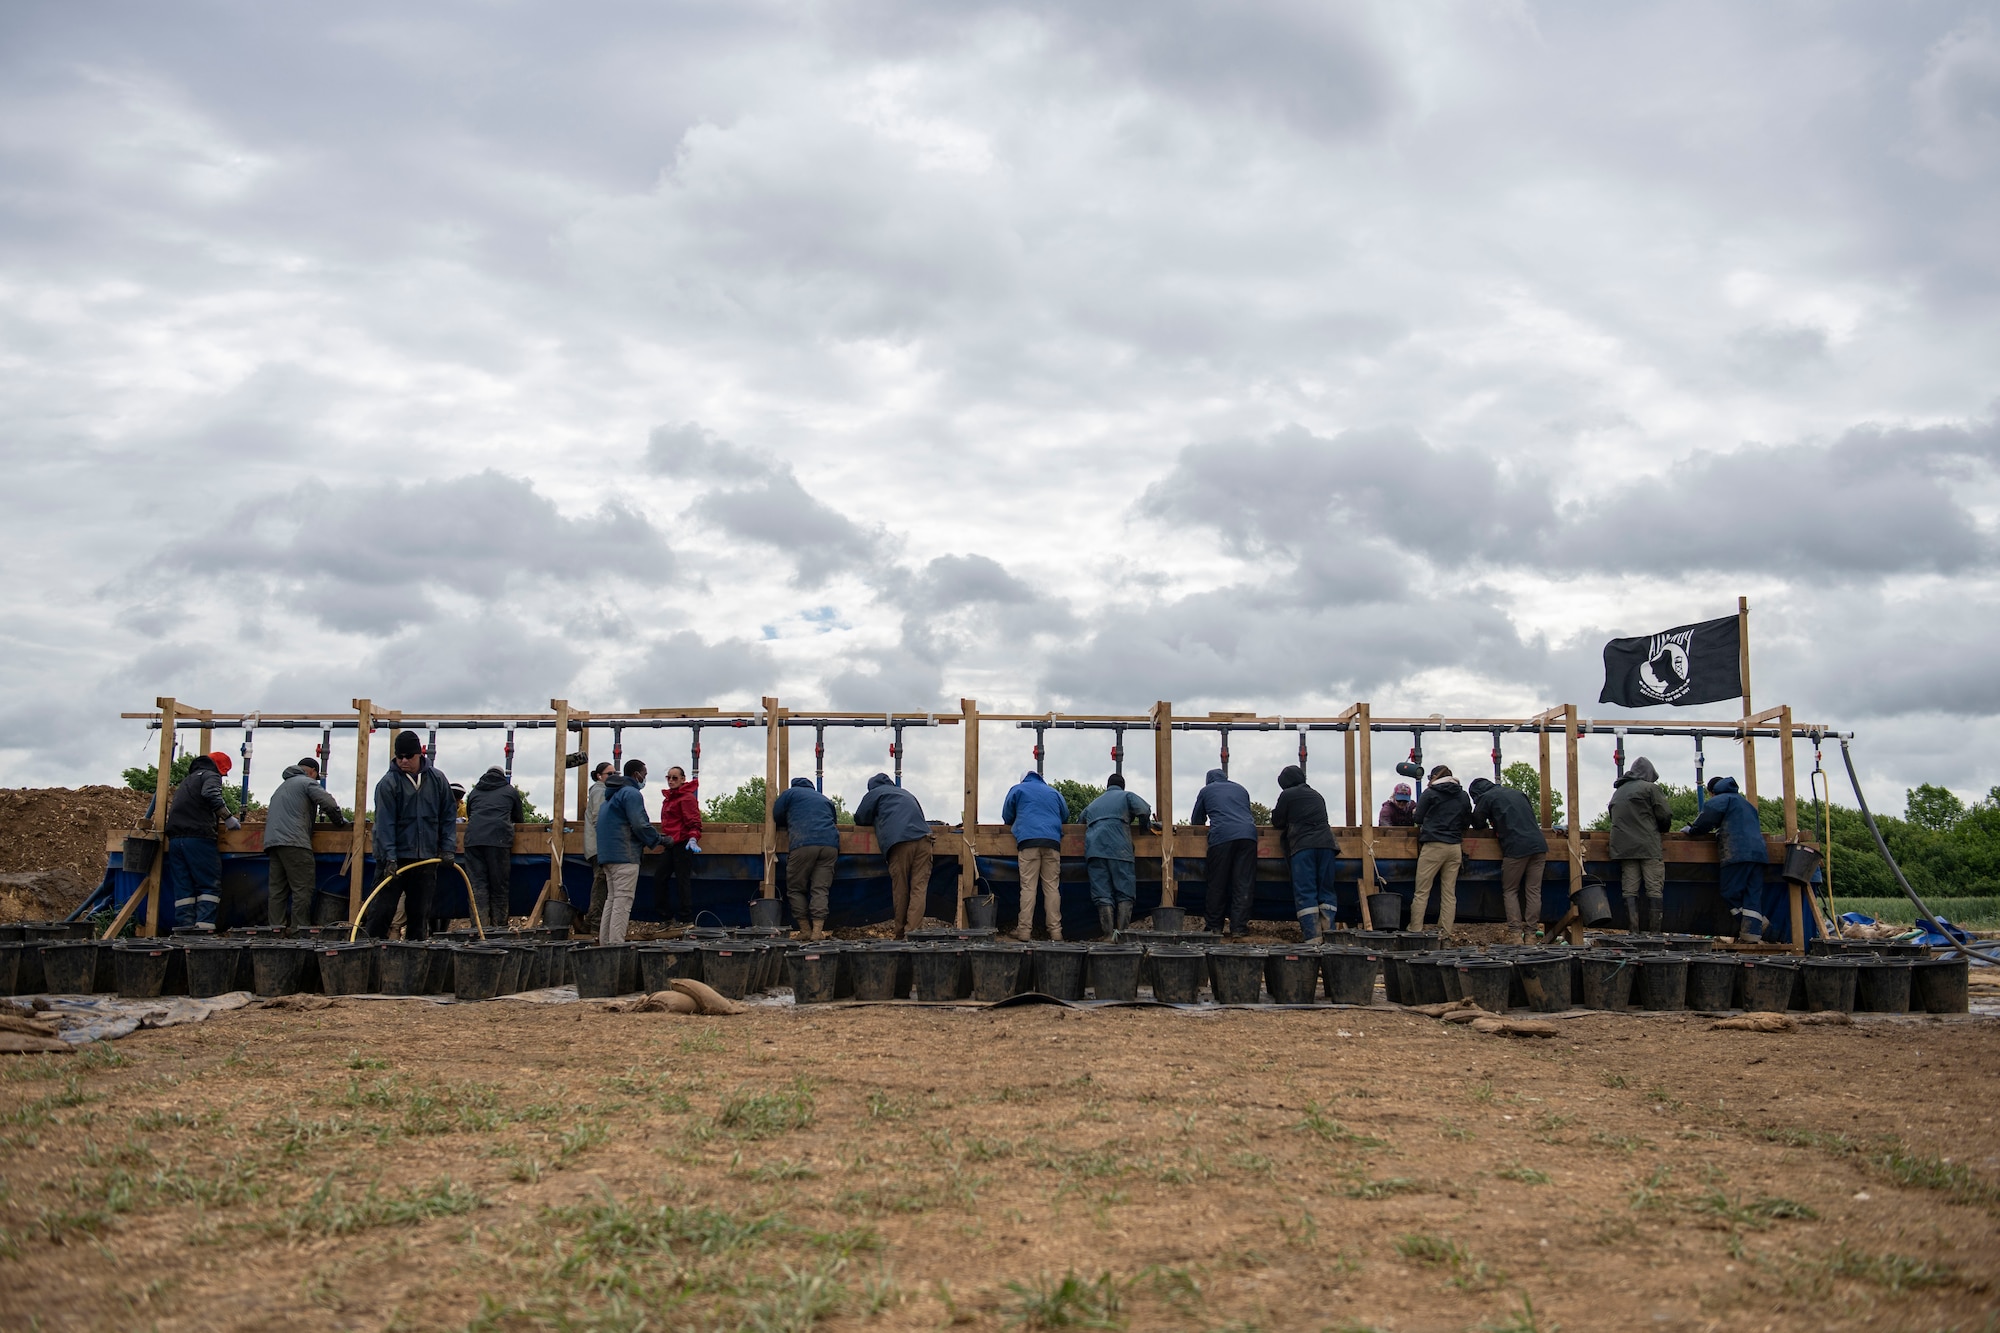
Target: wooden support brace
(1572, 823)
(1162, 716)
(773, 724)
(1363, 718)
(357, 842)
(149, 890)
(968, 860)
(553, 887)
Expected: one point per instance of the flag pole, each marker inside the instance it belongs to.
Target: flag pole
(1743, 669)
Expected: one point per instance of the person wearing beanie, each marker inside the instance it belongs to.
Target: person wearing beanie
(1524, 852)
(1305, 839)
(907, 843)
(492, 808)
(1108, 822)
(1399, 811)
(1442, 815)
(416, 819)
(193, 872)
(623, 835)
(288, 829)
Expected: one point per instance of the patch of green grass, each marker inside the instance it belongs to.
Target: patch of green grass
(762, 1115)
(1898, 1161)
(1324, 1127)
(613, 1231)
(1891, 1272)
(1361, 1186)
(356, 1060)
(783, 1169)
(1524, 1175)
(1451, 1129)
(1433, 1251)
(330, 1211)
(799, 1299)
(1480, 1092)
(1610, 1080)
(881, 1106)
(1625, 1143)
(705, 1041)
(42, 1110)
(1068, 1302)
(1521, 1320)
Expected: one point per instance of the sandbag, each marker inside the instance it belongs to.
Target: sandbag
(1512, 1027)
(659, 1002)
(27, 1027)
(27, 1043)
(707, 998)
(1758, 1022)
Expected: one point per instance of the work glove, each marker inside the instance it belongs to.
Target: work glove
(447, 858)
(693, 846)
(232, 823)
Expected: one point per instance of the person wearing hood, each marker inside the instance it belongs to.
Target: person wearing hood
(680, 821)
(416, 819)
(288, 828)
(1640, 817)
(812, 830)
(1035, 811)
(1232, 851)
(1443, 814)
(905, 838)
(593, 805)
(1524, 852)
(1399, 811)
(1107, 852)
(1739, 835)
(1305, 839)
(193, 872)
(492, 808)
(623, 834)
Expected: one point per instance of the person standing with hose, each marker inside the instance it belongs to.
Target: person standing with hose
(623, 834)
(416, 819)
(1442, 815)
(812, 848)
(1524, 852)
(1035, 811)
(905, 837)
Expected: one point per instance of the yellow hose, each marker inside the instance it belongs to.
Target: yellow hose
(471, 898)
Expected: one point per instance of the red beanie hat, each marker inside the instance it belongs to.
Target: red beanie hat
(221, 759)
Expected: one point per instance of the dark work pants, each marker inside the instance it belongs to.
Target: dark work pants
(413, 889)
(1232, 878)
(194, 880)
(491, 868)
(676, 876)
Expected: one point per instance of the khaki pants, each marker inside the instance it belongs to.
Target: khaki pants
(1651, 876)
(1521, 889)
(1041, 878)
(1437, 861)
(809, 881)
(292, 875)
(910, 883)
(621, 882)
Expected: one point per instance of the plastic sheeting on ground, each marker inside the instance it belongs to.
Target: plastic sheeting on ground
(83, 1018)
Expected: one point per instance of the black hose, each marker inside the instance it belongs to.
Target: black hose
(1971, 947)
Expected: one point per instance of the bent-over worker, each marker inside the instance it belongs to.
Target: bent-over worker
(194, 860)
(492, 808)
(812, 828)
(905, 838)
(1305, 839)
(1107, 853)
(1035, 811)
(288, 828)
(1640, 817)
(1443, 814)
(1740, 840)
(416, 819)
(1232, 851)
(623, 832)
(1524, 852)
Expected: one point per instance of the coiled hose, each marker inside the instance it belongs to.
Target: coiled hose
(471, 898)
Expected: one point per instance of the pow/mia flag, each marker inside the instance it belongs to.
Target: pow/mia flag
(1689, 664)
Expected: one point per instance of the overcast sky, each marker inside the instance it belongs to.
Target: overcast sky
(1253, 355)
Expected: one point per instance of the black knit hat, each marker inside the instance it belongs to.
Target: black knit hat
(408, 745)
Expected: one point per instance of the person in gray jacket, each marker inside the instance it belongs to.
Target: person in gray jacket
(1640, 817)
(288, 828)
(812, 849)
(593, 805)
(905, 838)
(1108, 822)
(492, 809)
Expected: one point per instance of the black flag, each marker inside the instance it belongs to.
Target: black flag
(1689, 664)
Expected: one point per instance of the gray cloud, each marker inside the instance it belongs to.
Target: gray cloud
(685, 669)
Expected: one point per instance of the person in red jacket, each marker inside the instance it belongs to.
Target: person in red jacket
(680, 821)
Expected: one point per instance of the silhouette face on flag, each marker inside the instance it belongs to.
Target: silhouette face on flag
(1689, 664)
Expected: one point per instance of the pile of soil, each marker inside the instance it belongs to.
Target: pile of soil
(52, 845)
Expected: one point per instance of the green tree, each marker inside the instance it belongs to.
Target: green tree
(745, 805)
(147, 780)
(1935, 808)
(1076, 795)
(1525, 778)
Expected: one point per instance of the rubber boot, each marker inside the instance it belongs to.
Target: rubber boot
(1634, 915)
(1104, 926)
(1656, 912)
(1326, 923)
(1124, 917)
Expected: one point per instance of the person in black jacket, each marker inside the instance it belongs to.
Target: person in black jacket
(194, 860)
(1306, 839)
(1523, 850)
(416, 820)
(492, 809)
(1443, 814)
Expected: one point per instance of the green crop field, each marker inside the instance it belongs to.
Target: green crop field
(1971, 913)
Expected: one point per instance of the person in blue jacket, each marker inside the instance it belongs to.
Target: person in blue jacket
(1107, 852)
(1035, 811)
(1232, 851)
(905, 838)
(1740, 840)
(416, 819)
(624, 832)
(813, 828)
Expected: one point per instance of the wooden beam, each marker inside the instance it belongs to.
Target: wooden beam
(784, 751)
(357, 848)
(1366, 759)
(1548, 790)
(583, 782)
(1791, 794)
(968, 860)
(1347, 741)
(149, 888)
(207, 741)
(1162, 717)
(1743, 666)
(773, 724)
(1574, 795)
(553, 886)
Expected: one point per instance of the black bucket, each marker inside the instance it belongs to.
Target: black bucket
(477, 970)
(1236, 973)
(1292, 975)
(404, 966)
(1380, 940)
(510, 970)
(69, 967)
(937, 972)
(596, 968)
(876, 973)
(1447, 966)
(1176, 973)
(1169, 918)
(1689, 943)
(1801, 862)
(1415, 941)
(443, 978)
(212, 968)
(1663, 981)
(1711, 985)
(982, 912)
(1426, 983)
(275, 969)
(1059, 969)
(1385, 911)
(1767, 983)
(1545, 981)
(1607, 980)
(673, 960)
(814, 974)
(557, 914)
(137, 854)
(1350, 975)
(1831, 983)
(344, 968)
(996, 970)
(1940, 986)
(767, 912)
(142, 970)
(726, 966)
(1396, 978)
(1884, 987)
(10, 967)
(1592, 904)
(1114, 971)
(1485, 982)
(552, 966)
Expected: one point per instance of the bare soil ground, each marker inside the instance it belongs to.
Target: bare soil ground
(52, 845)
(509, 1166)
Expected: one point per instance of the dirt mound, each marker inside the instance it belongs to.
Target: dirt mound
(52, 844)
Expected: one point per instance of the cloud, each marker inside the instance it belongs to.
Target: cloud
(684, 669)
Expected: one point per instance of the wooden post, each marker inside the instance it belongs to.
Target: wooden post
(1163, 795)
(1743, 667)
(163, 788)
(1573, 821)
(773, 716)
(583, 782)
(1548, 791)
(968, 859)
(1791, 792)
(207, 741)
(1363, 720)
(554, 887)
(1348, 738)
(784, 750)
(357, 838)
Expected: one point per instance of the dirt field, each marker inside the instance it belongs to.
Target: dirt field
(52, 845)
(499, 1166)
